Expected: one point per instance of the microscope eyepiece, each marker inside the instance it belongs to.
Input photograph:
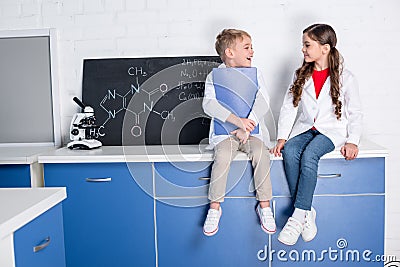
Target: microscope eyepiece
(78, 101)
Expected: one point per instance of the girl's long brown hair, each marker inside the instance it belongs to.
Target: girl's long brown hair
(323, 34)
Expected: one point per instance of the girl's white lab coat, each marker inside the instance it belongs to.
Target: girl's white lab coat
(320, 112)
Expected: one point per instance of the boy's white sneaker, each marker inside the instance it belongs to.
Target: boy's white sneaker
(290, 232)
(210, 227)
(309, 227)
(267, 219)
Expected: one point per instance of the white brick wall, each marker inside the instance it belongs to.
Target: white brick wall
(368, 33)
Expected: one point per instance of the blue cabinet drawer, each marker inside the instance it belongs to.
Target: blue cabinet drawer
(362, 175)
(338, 176)
(40, 243)
(108, 217)
(182, 178)
(15, 175)
(189, 179)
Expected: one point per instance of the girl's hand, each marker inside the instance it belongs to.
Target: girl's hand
(349, 151)
(277, 149)
(242, 135)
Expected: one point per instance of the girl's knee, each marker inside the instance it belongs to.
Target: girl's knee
(290, 152)
(310, 161)
(310, 156)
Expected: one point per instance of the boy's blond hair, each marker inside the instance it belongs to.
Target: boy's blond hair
(227, 39)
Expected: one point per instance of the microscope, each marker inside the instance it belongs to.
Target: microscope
(83, 128)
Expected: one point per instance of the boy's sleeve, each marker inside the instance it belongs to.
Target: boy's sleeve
(211, 106)
(261, 104)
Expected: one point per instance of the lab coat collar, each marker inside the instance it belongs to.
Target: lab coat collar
(309, 88)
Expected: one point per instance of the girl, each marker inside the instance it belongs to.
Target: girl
(326, 97)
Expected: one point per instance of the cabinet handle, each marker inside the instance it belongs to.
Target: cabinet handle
(332, 175)
(204, 178)
(98, 179)
(42, 246)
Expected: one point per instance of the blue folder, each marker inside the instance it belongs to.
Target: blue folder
(236, 90)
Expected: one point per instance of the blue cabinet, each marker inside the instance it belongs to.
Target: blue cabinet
(350, 204)
(349, 200)
(182, 207)
(181, 241)
(151, 214)
(108, 218)
(15, 175)
(350, 233)
(40, 243)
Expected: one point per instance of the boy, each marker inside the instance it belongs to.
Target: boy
(235, 49)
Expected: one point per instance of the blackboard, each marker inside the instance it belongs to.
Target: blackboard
(148, 101)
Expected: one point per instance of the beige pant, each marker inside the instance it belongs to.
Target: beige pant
(225, 152)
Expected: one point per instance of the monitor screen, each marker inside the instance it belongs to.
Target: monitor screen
(28, 84)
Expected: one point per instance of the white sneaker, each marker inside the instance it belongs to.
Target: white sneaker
(309, 226)
(290, 232)
(210, 227)
(267, 220)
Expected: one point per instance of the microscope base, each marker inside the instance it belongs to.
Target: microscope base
(84, 144)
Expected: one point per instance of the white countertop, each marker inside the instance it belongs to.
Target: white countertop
(21, 205)
(168, 153)
(22, 154)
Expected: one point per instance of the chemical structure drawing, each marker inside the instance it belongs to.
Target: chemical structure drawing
(148, 101)
(114, 103)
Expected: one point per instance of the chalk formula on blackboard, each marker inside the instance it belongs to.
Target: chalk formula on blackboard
(148, 101)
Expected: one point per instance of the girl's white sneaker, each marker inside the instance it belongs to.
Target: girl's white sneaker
(290, 232)
(309, 227)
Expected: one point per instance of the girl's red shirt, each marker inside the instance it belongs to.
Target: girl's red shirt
(319, 77)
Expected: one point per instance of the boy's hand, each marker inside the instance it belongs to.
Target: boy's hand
(277, 149)
(242, 123)
(349, 151)
(248, 124)
(242, 135)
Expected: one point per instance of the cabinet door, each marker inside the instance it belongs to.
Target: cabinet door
(350, 233)
(40, 243)
(182, 179)
(338, 176)
(359, 176)
(239, 241)
(190, 179)
(108, 218)
(15, 175)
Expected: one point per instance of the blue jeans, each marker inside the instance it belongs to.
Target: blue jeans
(301, 155)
